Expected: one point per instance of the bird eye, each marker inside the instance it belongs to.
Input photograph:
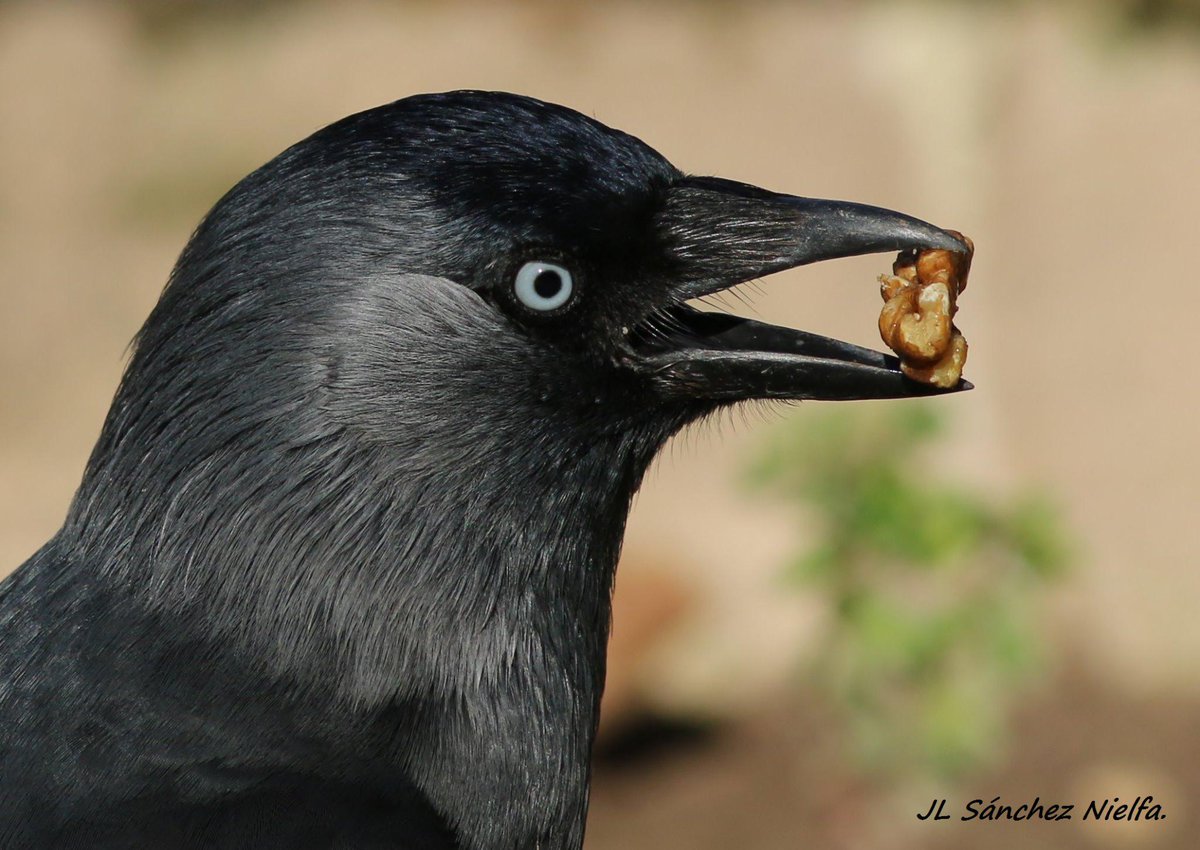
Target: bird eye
(543, 286)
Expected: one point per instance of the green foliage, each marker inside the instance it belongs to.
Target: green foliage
(930, 586)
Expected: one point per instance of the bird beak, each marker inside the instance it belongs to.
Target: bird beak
(718, 234)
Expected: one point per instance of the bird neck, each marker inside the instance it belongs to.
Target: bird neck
(378, 569)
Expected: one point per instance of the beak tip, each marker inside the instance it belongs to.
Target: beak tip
(932, 236)
(917, 389)
(953, 243)
(958, 244)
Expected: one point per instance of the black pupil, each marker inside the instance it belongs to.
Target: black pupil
(547, 284)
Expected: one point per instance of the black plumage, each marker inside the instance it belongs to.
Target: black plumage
(338, 571)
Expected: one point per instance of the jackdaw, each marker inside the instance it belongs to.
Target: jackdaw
(338, 573)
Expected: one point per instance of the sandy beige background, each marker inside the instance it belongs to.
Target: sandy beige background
(1073, 159)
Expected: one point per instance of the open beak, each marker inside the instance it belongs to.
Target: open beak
(719, 233)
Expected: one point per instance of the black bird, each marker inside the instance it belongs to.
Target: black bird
(338, 571)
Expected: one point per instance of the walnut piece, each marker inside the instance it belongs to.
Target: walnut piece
(920, 300)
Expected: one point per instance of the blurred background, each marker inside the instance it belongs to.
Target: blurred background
(827, 616)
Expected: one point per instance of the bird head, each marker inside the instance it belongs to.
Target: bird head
(586, 244)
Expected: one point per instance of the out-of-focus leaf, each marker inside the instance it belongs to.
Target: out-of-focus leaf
(929, 585)
(1037, 537)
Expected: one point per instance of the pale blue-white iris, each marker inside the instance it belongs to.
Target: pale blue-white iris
(543, 286)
